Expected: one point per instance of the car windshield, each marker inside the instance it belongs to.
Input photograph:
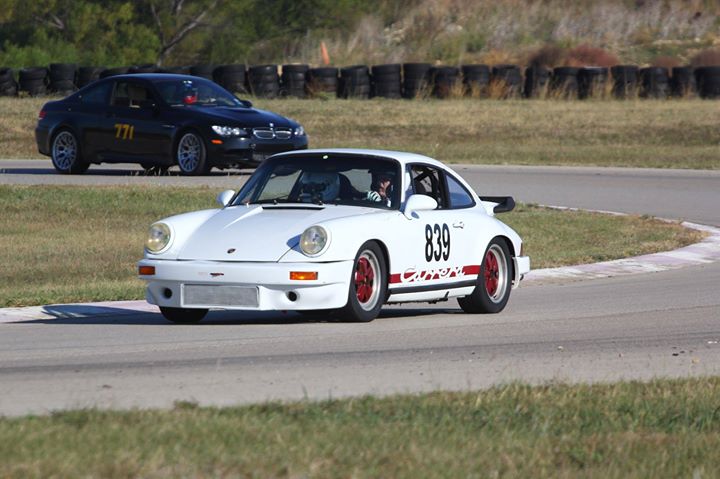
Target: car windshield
(195, 92)
(324, 179)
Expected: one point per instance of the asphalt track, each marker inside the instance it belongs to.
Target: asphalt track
(664, 324)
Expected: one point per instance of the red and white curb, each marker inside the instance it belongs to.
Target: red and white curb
(704, 252)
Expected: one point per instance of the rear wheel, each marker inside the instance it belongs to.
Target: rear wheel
(368, 285)
(494, 282)
(66, 155)
(191, 155)
(183, 315)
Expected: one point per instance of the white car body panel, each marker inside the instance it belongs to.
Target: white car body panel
(257, 246)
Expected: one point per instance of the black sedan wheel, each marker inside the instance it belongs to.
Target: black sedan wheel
(66, 157)
(494, 283)
(183, 315)
(191, 155)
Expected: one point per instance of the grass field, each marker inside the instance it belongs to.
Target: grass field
(66, 244)
(665, 428)
(642, 133)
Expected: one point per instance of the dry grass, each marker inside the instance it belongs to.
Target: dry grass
(664, 428)
(68, 244)
(661, 134)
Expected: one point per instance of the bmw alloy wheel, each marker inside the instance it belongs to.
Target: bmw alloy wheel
(64, 151)
(191, 154)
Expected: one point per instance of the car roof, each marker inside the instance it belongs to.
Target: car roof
(154, 76)
(402, 157)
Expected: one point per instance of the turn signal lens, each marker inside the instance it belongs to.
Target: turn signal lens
(303, 275)
(146, 270)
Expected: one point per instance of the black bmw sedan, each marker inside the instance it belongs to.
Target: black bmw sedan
(160, 120)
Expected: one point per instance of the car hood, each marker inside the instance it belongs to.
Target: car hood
(258, 233)
(248, 117)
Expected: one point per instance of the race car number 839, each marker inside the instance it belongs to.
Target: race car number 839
(437, 242)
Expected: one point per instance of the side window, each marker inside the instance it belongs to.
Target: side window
(97, 95)
(426, 181)
(457, 194)
(130, 94)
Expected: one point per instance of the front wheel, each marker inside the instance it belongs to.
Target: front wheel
(191, 155)
(66, 155)
(368, 285)
(183, 315)
(494, 282)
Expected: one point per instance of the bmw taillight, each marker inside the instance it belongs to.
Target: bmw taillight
(42, 114)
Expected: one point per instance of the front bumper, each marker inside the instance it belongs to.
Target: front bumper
(275, 290)
(235, 152)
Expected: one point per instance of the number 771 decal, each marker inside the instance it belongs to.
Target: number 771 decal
(123, 131)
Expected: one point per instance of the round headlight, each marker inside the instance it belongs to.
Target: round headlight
(313, 240)
(158, 238)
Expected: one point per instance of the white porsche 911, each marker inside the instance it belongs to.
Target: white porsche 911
(339, 233)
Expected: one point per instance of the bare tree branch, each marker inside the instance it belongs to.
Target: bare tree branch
(158, 23)
(54, 21)
(189, 26)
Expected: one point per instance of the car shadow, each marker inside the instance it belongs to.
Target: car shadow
(100, 171)
(100, 315)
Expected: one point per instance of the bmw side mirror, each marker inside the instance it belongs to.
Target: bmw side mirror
(224, 197)
(246, 103)
(419, 203)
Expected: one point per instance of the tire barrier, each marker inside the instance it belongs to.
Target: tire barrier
(34, 80)
(416, 80)
(625, 81)
(592, 82)
(111, 72)
(8, 85)
(537, 79)
(444, 81)
(682, 82)
(476, 80)
(147, 68)
(322, 81)
(654, 83)
(408, 80)
(564, 83)
(354, 82)
(87, 75)
(506, 81)
(62, 78)
(204, 71)
(230, 77)
(293, 79)
(386, 81)
(708, 81)
(263, 81)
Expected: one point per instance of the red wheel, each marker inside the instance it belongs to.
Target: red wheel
(493, 288)
(367, 285)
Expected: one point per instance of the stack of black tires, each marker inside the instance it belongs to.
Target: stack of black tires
(654, 82)
(293, 79)
(62, 78)
(708, 81)
(416, 80)
(537, 79)
(476, 80)
(564, 83)
(8, 85)
(354, 82)
(507, 79)
(592, 82)
(110, 72)
(34, 80)
(322, 81)
(387, 81)
(231, 77)
(625, 81)
(87, 75)
(263, 81)
(203, 71)
(444, 81)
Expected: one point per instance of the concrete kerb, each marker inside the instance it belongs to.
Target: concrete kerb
(704, 252)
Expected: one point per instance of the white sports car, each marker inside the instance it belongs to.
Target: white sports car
(336, 232)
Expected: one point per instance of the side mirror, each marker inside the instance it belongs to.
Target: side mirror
(419, 203)
(246, 103)
(224, 197)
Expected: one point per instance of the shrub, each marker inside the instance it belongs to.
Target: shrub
(706, 58)
(586, 55)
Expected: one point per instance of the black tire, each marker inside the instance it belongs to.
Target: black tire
(494, 282)
(654, 82)
(368, 285)
(66, 153)
(109, 72)
(682, 82)
(87, 75)
(183, 315)
(203, 71)
(191, 154)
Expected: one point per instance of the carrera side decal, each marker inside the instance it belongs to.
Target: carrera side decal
(413, 275)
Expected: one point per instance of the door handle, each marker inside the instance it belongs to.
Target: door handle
(458, 224)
